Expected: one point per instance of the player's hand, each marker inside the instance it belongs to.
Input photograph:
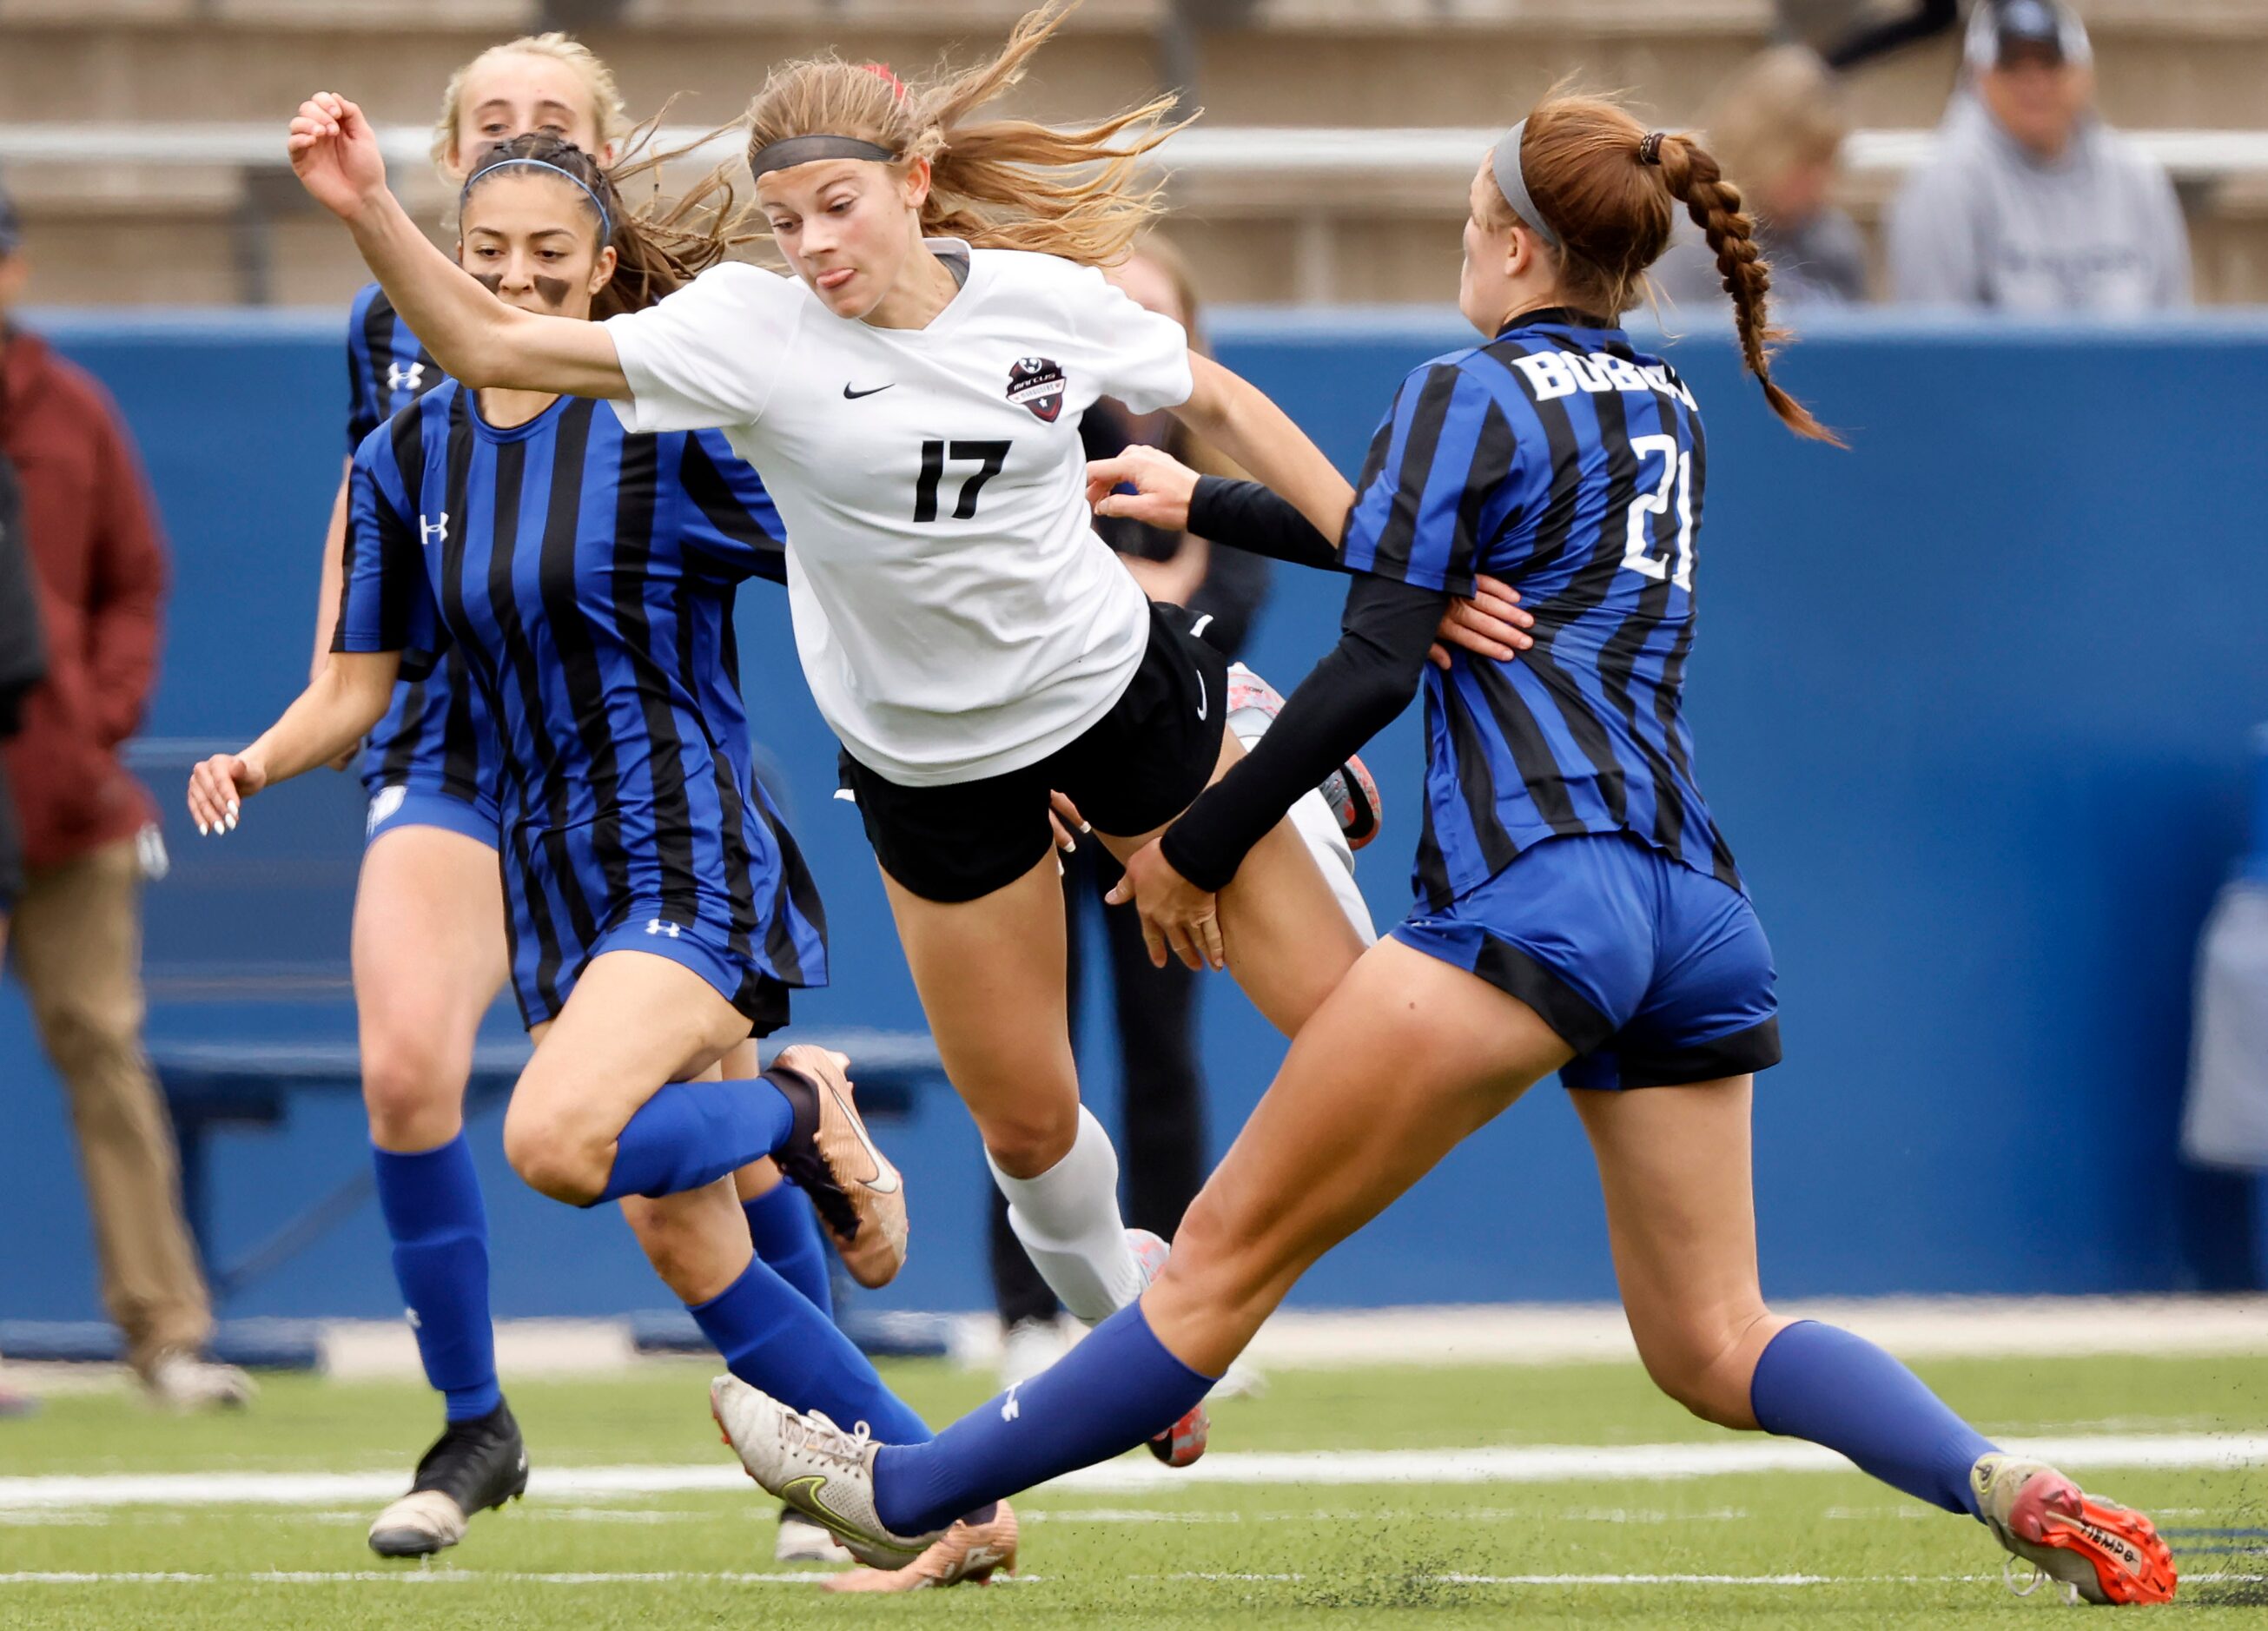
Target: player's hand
(1489, 622)
(218, 786)
(1177, 914)
(1064, 816)
(1162, 485)
(335, 154)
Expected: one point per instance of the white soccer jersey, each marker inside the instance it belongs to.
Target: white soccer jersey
(956, 615)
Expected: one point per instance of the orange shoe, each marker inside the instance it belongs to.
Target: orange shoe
(1185, 1441)
(2097, 1550)
(859, 1195)
(967, 1553)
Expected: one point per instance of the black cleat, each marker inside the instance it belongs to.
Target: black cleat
(473, 1466)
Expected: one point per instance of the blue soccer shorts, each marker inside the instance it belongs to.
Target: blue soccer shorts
(1654, 973)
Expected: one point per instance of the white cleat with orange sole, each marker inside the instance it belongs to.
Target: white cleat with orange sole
(2096, 1550)
(967, 1554)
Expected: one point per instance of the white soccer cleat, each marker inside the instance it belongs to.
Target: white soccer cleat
(814, 1465)
(803, 1542)
(1185, 1441)
(420, 1524)
(179, 1380)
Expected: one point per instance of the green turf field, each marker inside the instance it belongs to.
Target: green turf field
(1774, 1548)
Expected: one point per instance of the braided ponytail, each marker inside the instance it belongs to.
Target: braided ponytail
(1714, 203)
(1608, 187)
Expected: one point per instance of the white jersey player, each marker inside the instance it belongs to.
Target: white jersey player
(911, 395)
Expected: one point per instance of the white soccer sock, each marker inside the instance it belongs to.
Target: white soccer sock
(1068, 1219)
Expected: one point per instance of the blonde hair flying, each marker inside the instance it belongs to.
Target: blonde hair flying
(999, 183)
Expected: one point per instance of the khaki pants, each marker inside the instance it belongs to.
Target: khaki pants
(75, 941)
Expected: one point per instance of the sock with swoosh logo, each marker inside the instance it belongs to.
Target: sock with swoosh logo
(693, 1133)
(775, 1341)
(785, 1230)
(1120, 1386)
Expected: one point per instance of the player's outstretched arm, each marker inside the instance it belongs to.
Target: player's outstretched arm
(335, 711)
(476, 337)
(1239, 418)
(1166, 494)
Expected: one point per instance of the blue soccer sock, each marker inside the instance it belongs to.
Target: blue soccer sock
(693, 1133)
(432, 1204)
(1118, 1388)
(775, 1341)
(1822, 1383)
(785, 1230)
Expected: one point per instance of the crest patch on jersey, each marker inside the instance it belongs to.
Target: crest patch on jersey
(1036, 383)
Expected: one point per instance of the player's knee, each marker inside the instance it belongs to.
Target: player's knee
(1026, 1141)
(1213, 1262)
(556, 1154)
(1699, 1368)
(413, 1085)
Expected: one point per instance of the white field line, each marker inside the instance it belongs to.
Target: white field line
(1520, 1464)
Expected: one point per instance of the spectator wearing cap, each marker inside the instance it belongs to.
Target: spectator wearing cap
(75, 934)
(1777, 126)
(2031, 203)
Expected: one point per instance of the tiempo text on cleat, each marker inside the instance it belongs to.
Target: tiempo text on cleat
(2097, 1550)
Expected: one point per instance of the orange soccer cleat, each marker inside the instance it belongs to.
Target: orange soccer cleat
(2097, 1550)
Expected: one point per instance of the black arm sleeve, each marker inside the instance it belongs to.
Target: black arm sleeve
(1354, 694)
(1248, 516)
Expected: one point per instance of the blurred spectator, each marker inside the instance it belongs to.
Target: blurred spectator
(2031, 203)
(23, 660)
(76, 927)
(1847, 32)
(1776, 126)
(1163, 1145)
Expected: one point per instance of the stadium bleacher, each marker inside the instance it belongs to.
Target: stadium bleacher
(1261, 231)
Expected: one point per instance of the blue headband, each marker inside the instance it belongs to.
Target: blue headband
(606, 219)
(1505, 161)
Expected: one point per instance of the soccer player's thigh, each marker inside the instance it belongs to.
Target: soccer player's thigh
(990, 975)
(635, 1022)
(1675, 1167)
(1288, 942)
(428, 955)
(1408, 1057)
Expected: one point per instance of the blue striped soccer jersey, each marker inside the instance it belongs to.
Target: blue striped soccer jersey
(587, 576)
(1561, 460)
(1568, 857)
(432, 759)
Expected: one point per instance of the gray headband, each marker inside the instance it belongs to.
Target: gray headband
(606, 217)
(1505, 162)
(789, 152)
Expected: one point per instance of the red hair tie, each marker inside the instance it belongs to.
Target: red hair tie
(898, 87)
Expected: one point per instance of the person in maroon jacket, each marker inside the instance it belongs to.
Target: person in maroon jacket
(74, 932)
